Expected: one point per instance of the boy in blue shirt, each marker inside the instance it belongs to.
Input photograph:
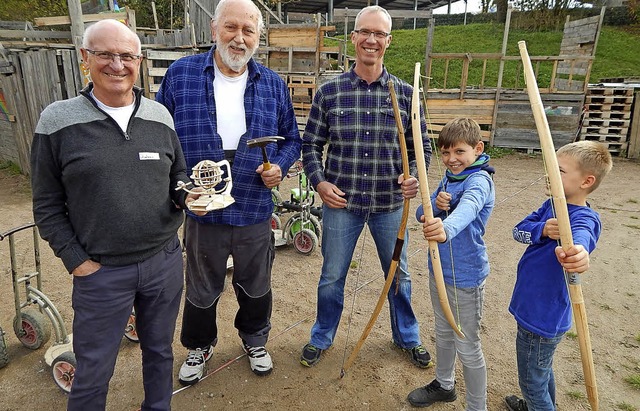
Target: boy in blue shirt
(540, 301)
(462, 204)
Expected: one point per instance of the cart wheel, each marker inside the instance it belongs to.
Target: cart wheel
(34, 329)
(4, 356)
(63, 370)
(276, 223)
(305, 241)
(317, 227)
(130, 331)
(276, 197)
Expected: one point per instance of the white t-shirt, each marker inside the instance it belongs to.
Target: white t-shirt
(120, 114)
(230, 115)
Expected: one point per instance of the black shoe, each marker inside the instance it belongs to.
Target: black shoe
(419, 355)
(310, 355)
(515, 404)
(430, 394)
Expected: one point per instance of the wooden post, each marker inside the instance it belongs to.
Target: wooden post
(77, 31)
(155, 15)
(634, 134)
(427, 52)
(505, 37)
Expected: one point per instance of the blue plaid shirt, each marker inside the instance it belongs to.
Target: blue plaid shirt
(187, 91)
(356, 121)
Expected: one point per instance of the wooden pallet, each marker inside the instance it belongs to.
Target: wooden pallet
(590, 99)
(604, 122)
(154, 67)
(611, 91)
(302, 89)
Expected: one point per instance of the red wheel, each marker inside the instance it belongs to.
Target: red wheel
(305, 241)
(130, 330)
(63, 370)
(32, 329)
(276, 223)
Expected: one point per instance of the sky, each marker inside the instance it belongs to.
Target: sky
(458, 7)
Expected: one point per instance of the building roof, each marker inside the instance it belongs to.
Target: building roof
(322, 6)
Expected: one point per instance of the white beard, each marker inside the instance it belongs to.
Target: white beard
(234, 62)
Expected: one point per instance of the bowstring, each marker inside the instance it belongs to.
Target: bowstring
(365, 228)
(553, 213)
(434, 151)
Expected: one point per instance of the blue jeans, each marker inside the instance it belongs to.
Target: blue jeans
(340, 232)
(535, 372)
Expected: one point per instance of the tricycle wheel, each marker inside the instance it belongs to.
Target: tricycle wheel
(130, 331)
(32, 328)
(4, 357)
(305, 241)
(63, 370)
(276, 223)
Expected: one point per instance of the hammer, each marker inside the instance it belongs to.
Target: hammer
(262, 142)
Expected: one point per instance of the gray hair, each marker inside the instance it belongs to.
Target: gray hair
(222, 5)
(87, 39)
(373, 9)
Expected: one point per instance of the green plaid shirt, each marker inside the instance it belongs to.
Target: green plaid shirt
(355, 121)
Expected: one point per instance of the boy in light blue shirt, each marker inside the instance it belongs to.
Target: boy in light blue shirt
(462, 204)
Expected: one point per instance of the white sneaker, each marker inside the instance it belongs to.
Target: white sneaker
(259, 359)
(192, 368)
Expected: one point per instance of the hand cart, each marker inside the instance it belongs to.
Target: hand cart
(32, 309)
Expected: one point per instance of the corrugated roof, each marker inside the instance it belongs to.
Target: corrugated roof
(322, 6)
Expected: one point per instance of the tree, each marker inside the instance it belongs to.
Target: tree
(27, 10)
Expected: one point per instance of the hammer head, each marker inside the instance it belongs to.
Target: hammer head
(263, 141)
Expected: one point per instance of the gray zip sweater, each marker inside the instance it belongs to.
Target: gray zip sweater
(100, 193)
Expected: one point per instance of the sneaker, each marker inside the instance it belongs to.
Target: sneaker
(192, 368)
(310, 355)
(515, 404)
(259, 359)
(432, 393)
(420, 357)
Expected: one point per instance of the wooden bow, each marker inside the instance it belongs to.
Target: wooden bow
(395, 259)
(562, 214)
(434, 252)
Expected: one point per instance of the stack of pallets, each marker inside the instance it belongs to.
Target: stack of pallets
(607, 117)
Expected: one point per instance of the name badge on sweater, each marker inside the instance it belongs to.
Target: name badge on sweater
(149, 156)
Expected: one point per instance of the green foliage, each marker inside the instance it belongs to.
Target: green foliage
(144, 13)
(623, 406)
(27, 10)
(10, 167)
(633, 381)
(498, 152)
(575, 395)
(617, 54)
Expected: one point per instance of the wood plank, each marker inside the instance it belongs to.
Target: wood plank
(634, 134)
(87, 18)
(33, 34)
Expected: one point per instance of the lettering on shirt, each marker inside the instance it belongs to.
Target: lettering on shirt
(522, 236)
(149, 156)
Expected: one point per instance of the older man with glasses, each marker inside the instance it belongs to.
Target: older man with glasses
(104, 168)
(360, 182)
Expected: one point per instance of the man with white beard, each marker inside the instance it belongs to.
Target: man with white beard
(219, 100)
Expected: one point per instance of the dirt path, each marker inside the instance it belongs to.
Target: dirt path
(381, 376)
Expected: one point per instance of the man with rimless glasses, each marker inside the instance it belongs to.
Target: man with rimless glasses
(104, 167)
(361, 182)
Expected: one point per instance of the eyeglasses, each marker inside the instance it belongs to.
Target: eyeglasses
(377, 34)
(106, 56)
